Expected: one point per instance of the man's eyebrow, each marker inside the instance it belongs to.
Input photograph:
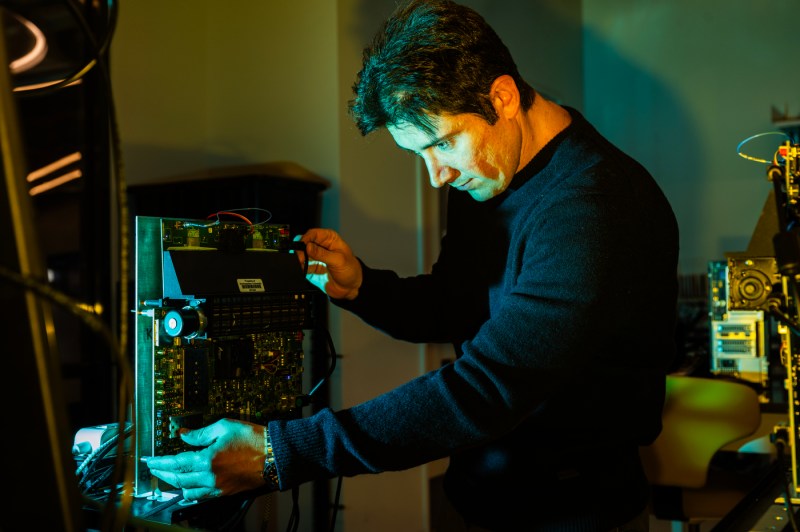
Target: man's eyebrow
(436, 141)
(425, 147)
(433, 142)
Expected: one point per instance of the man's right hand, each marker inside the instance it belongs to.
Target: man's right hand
(332, 267)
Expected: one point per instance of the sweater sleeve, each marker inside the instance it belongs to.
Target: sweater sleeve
(450, 303)
(566, 296)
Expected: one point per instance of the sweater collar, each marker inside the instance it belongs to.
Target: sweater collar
(541, 159)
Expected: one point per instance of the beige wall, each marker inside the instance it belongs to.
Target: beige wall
(377, 206)
(200, 83)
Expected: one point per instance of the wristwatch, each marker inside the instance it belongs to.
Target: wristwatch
(270, 473)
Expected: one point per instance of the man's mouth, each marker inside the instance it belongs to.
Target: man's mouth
(464, 185)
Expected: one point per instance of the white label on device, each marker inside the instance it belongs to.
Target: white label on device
(250, 285)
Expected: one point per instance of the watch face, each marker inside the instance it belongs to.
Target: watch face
(271, 474)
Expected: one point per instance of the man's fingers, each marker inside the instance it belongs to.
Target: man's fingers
(323, 237)
(193, 494)
(205, 436)
(185, 480)
(299, 248)
(301, 256)
(317, 252)
(180, 463)
(317, 268)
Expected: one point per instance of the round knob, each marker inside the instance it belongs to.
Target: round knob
(187, 322)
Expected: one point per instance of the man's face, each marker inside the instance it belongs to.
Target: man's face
(465, 152)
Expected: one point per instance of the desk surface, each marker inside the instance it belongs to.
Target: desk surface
(759, 440)
(171, 512)
(759, 511)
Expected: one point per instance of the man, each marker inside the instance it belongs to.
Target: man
(556, 283)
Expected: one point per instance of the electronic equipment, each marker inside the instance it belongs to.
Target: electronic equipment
(753, 282)
(738, 339)
(763, 283)
(90, 439)
(219, 329)
(784, 174)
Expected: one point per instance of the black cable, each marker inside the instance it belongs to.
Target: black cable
(111, 515)
(88, 466)
(335, 509)
(97, 479)
(298, 245)
(331, 368)
(99, 50)
(62, 300)
(294, 518)
(95, 324)
(294, 521)
(237, 518)
(780, 446)
(784, 318)
(775, 174)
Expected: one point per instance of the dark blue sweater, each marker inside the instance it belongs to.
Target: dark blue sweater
(560, 297)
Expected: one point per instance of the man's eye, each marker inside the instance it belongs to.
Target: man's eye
(444, 145)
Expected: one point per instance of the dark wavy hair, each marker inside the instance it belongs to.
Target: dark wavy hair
(431, 57)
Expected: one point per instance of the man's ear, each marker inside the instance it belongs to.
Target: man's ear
(505, 96)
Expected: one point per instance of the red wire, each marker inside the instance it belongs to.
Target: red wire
(231, 214)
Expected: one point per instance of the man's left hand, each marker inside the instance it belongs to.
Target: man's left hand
(232, 460)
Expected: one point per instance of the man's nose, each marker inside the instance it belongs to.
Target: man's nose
(440, 174)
